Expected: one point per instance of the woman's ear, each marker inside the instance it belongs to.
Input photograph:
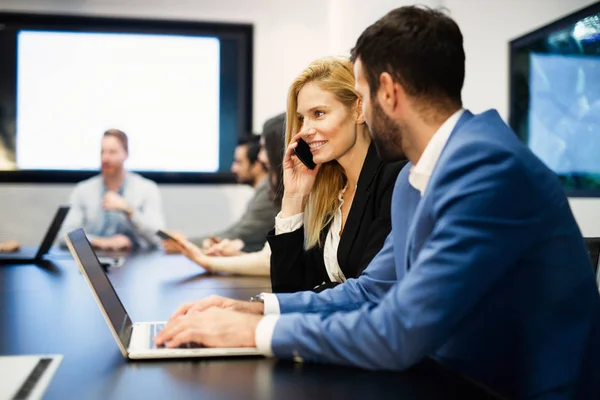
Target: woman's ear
(360, 118)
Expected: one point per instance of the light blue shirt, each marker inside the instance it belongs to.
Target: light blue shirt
(141, 194)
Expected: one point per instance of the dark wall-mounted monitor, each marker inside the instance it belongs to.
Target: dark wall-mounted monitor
(180, 90)
(555, 97)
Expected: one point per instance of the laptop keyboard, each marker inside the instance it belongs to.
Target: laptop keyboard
(156, 328)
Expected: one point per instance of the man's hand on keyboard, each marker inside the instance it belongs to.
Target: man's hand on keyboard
(212, 328)
(219, 302)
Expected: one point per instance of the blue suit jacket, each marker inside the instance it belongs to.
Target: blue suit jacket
(493, 281)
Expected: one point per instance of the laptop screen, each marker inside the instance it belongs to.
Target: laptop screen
(114, 311)
(52, 231)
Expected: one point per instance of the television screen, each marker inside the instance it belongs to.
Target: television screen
(555, 97)
(179, 90)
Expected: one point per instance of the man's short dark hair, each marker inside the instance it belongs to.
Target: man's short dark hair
(120, 136)
(421, 48)
(252, 143)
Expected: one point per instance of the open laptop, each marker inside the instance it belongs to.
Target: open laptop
(135, 340)
(31, 255)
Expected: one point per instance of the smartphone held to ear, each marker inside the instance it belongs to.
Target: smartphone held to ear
(303, 153)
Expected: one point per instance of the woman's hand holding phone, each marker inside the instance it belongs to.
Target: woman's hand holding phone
(194, 253)
(298, 180)
(169, 240)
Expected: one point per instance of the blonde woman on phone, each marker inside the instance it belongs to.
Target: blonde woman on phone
(335, 217)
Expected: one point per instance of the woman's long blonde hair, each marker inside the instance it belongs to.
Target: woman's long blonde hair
(335, 76)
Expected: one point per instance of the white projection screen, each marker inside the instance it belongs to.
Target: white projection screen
(162, 90)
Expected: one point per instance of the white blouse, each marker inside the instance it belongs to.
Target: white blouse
(332, 241)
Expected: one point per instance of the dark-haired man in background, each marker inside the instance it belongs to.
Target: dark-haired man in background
(247, 234)
(495, 282)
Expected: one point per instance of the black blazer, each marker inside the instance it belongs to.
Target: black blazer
(368, 224)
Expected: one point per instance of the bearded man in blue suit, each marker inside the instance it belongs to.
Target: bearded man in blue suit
(490, 276)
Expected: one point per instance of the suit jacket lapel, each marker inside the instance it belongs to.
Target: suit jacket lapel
(410, 237)
(370, 167)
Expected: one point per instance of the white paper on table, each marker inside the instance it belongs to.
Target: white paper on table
(15, 370)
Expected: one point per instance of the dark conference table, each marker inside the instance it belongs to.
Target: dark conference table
(48, 309)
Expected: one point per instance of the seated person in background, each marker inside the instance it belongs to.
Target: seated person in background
(335, 218)
(255, 263)
(260, 212)
(119, 210)
(9, 246)
(259, 216)
(490, 276)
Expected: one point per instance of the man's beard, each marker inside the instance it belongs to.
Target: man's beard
(386, 134)
(111, 171)
(246, 181)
